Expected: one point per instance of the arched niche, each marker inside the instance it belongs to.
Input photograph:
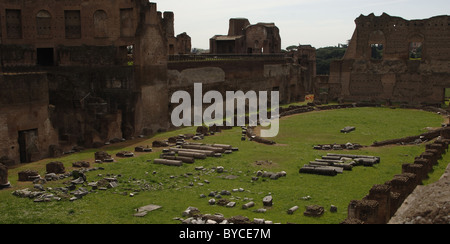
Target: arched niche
(377, 45)
(100, 24)
(415, 46)
(44, 23)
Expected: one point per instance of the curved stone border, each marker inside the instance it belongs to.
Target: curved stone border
(383, 201)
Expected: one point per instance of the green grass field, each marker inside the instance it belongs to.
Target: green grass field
(297, 136)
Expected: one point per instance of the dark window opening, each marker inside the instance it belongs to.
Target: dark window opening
(377, 51)
(13, 23)
(447, 97)
(45, 57)
(100, 24)
(126, 23)
(415, 51)
(130, 55)
(28, 149)
(125, 55)
(226, 47)
(72, 24)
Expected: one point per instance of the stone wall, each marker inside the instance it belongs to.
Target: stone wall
(413, 66)
(69, 23)
(235, 75)
(427, 204)
(383, 201)
(90, 72)
(35, 29)
(24, 111)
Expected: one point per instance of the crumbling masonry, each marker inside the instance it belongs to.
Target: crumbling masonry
(244, 38)
(390, 59)
(81, 72)
(85, 72)
(383, 201)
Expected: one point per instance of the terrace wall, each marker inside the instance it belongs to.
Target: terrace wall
(234, 73)
(383, 201)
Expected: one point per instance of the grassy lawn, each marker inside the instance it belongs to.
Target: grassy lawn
(294, 149)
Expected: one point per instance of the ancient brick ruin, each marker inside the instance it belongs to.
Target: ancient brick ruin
(85, 72)
(392, 59)
(383, 201)
(82, 73)
(262, 38)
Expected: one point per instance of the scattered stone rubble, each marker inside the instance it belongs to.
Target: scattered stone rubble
(75, 189)
(338, 147)
(270, 175)
(188, 152)
(348, 129)
(28, 175)
(160, 144)
(143, 149)
(248, 131)
(55, 167)
(79, 186)
(193, 216)
(334, 164)
(81, 164)
(125, 154)
(102, 156)
(314, 211)
(142, 211)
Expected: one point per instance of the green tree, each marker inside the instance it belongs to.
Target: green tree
(324, 57)
(292, 48)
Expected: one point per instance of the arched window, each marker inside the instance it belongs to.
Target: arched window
(415, 46)
(100, 24)
(377, 42)
(127, 28)
(44, 23)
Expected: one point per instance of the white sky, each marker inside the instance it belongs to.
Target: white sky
(319, 23)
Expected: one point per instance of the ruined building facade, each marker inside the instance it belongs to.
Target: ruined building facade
(244, 38)
(176, 45)
(86, 72)
(81, 73)
(393, 59)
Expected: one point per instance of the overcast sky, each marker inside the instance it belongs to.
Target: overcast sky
(319, 23)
